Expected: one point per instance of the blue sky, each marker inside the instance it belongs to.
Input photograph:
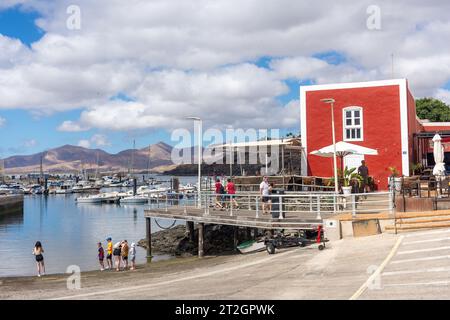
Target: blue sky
(24, 132)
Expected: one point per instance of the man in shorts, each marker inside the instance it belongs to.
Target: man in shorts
(264, 192)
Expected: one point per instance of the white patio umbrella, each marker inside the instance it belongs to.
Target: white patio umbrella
(438, 153)
(344, 149)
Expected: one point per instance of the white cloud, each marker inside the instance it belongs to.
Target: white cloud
(30, 143)
(71, 126)
(186, 57)
(2, 122)
(100, 140)
(84, 143)
(443, 95)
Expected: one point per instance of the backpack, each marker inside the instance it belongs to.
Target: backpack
(222, 189)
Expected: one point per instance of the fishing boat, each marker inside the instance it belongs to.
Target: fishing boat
(251, 246)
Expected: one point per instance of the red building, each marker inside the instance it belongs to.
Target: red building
(380, 115)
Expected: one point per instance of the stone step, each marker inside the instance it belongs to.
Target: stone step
(421, 226)
(423, 220)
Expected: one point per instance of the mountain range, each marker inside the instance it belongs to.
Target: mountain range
(69, 158)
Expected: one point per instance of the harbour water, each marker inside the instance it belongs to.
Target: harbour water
(69, 232)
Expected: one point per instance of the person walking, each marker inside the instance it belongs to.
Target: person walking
(38, 253)
(264, 192)
(109, 252)
(133, 256)
(219, 191)
(124, 253)
(231, 191)
(363, 171)
(101, 256)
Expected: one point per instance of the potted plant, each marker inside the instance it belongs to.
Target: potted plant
(350, 175)
(396, 180)
(416, 168)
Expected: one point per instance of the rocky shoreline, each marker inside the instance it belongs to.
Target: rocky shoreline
(218, 240)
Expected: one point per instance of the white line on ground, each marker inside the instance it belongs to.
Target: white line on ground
(425, 233)
(423, 250)
(377, 273)
(150, 285)
(439, 283)
(425, 241)
(421, 259)
(394, 273)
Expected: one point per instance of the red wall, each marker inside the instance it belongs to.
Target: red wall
(381, 120)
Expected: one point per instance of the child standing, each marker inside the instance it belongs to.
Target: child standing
(124, 252)
(101, 256)
(133, 256)
(109, 251)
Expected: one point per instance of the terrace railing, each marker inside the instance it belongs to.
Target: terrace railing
(283, 206)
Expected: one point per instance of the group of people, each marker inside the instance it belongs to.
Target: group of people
(225, 194)
(121, 251)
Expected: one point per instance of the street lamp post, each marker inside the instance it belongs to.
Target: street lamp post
(200, 145)
(331, 102)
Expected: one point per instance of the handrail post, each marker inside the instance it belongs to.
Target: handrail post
(319, 217)
(280, 205)
(257, 207)
(353, 206)
(231, 205)
(391, 201)
(249, 203)
(167, 199)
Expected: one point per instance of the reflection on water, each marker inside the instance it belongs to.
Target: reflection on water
(68, 232)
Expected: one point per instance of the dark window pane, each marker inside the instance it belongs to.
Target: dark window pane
(348, 122)
(347, 134)
(356, 113)
(357, 121)
(348, 114)
(358, 133)
(353, 134)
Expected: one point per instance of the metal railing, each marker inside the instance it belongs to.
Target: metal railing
(282, 206)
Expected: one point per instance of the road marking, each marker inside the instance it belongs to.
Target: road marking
(377, 273)
(418, 284)
(425, 233)
(421, 259)
(150, 285)
(393, 273)
(423, 250)
(425, 241)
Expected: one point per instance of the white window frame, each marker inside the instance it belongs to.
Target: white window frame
(345, 126)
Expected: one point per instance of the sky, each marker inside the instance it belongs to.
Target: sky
(107, 72)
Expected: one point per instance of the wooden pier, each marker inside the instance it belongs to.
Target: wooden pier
(238, 218)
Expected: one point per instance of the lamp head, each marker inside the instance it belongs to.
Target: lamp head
(328, 100)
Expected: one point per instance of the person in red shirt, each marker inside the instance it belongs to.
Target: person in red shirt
(231, 191)
(219, 192)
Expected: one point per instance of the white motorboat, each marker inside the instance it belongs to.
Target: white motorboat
(137, 199)
(89, 199)
(84, 186)
(64, 189)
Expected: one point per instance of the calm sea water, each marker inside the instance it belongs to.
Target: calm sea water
(69, 232)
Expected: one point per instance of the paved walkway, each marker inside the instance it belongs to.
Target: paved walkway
(419, 269)
(296, 273)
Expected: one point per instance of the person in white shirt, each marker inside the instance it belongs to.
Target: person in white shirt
(264, 192)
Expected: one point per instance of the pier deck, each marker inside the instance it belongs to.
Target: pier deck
(240, 218)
